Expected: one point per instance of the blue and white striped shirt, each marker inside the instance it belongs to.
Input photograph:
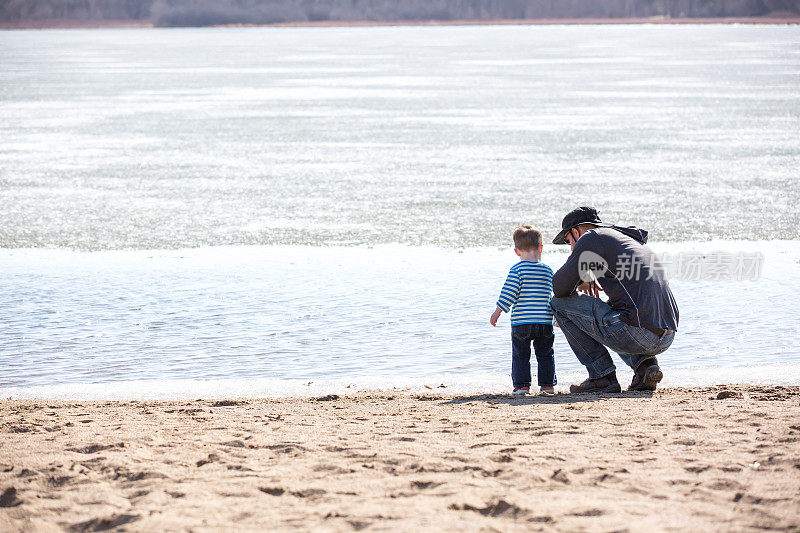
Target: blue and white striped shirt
(527, 290)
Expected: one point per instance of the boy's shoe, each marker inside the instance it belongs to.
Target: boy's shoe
(547, 391)
(521, 391)
(647, 376)
(607, 383)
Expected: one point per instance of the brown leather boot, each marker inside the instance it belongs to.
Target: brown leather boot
(647, 375)
(607, 383)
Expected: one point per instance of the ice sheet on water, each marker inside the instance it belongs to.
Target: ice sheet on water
(186, 138)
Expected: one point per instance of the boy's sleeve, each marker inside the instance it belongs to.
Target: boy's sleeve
(509, 292)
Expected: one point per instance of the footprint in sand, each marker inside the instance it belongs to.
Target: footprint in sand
(332, 469)
(422, 485)
(309, 493)
(560, 476)
(102, 524)
(603, 478)
(94, 448)
(240, 468)
(212, 457)
(726, 484)
(59, 481)
(293, 449)
(500, 508)
(590, 512)
(9, 498)
(234, 444)
(122, 473)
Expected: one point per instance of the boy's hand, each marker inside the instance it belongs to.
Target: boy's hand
(495, 316)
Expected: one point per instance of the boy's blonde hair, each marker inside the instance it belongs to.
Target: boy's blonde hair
(527, 238)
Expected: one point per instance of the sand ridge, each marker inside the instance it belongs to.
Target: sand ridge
(718, 459)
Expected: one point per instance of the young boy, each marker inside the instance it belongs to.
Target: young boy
(527, 291)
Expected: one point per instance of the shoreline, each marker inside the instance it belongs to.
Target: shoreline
(279, 389)
(720, 458)
(50, 24)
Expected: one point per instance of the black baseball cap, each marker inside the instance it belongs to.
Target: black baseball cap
(576, 217)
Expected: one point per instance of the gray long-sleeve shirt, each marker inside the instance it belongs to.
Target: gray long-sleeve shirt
(633, 279)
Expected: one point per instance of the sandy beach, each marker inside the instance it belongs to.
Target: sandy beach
(714, 459)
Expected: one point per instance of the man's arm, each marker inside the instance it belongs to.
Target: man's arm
(568, 278)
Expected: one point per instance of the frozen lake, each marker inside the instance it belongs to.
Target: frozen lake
(272, 211)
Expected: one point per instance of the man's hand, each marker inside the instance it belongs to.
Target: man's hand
(495, 316)
(591, 288)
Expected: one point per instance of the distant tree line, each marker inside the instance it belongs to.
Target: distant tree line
(214, 12)
(20, 10)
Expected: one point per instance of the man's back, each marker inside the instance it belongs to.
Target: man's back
(634, 281)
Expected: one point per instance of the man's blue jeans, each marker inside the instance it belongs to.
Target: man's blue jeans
(589, 324)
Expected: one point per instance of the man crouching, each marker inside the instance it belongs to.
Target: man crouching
(641, 316)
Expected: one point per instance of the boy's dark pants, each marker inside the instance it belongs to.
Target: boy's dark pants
(541, 335)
